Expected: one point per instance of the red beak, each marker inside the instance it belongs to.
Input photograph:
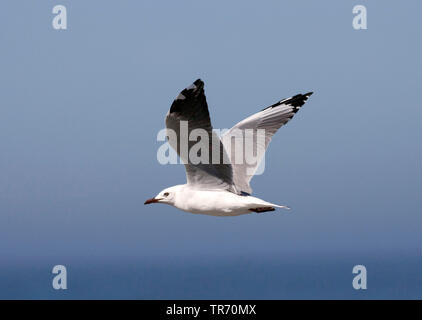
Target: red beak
(152, 200)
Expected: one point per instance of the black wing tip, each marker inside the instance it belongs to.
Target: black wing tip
(189, 95)
(296, 101)
(197, 85)
(198, 82)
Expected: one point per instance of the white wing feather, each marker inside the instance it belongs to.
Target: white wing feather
(256, 131)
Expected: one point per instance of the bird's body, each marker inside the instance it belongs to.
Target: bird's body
(216, 202)
(218, 183)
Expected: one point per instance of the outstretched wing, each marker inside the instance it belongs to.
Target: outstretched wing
(256, 132)
(190, 133)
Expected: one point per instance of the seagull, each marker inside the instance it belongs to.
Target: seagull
(220, 188)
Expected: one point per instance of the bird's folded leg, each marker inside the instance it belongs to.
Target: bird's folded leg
(262, 209)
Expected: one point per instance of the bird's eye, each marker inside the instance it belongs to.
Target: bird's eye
(165, 194)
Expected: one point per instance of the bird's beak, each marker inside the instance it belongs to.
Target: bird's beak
(152, 200)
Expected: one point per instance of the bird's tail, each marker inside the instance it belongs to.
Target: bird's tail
(260, 204)
(283, 207)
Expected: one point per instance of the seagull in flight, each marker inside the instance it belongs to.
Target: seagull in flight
(220, 188)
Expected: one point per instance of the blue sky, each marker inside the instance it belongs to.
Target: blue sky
(80, 110)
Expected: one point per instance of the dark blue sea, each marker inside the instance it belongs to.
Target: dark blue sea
(330, 277)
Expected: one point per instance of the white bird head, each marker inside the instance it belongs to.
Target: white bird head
(167, 196)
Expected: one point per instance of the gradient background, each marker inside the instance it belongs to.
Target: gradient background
(80, 110)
